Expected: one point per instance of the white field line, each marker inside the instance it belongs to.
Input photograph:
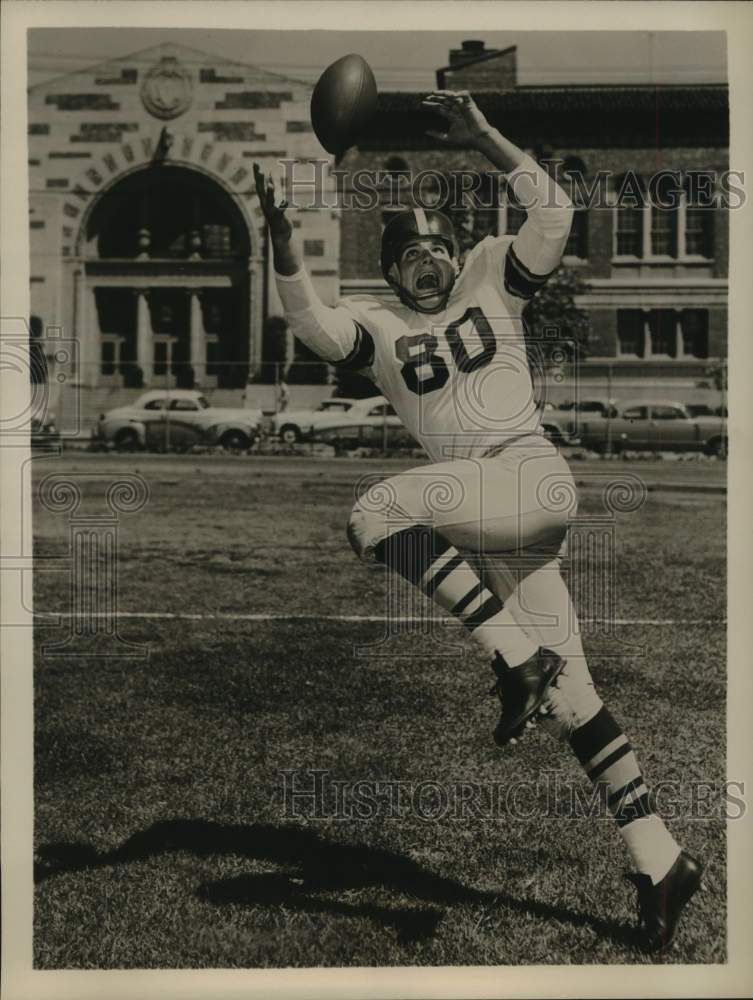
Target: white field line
(220, 616)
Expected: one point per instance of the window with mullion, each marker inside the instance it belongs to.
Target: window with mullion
(698, 232)
(663, 232)
(630, 330)
(662, 324)
(630, 231)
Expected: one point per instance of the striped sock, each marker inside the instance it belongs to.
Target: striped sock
(608, 759)
(424, 557)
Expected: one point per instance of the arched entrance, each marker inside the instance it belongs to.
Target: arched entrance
(166, 264)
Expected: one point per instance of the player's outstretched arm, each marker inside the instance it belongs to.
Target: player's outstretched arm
(287, 256)
(468, 126)
(537, 249)
(333, 334)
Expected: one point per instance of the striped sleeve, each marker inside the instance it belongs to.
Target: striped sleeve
(362, 353)
(519, 281)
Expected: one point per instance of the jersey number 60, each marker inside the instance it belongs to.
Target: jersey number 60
(425, 371)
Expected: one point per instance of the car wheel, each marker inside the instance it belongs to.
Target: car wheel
(718, 447)
(289, 434)
(127, 440)
(235, 441)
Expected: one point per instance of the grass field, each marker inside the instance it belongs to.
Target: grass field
(163, 837)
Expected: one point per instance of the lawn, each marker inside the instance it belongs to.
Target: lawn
(165, 833)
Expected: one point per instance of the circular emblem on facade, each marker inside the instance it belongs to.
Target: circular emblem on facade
(166, 91)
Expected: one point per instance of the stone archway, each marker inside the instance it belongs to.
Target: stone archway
(166, 272)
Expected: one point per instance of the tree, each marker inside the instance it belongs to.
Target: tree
(553, 317)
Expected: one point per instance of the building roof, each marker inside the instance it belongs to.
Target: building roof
(577, 97)
(593, 115)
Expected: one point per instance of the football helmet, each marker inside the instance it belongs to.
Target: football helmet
(418, 225)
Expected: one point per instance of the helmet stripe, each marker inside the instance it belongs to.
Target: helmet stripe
(421, 224)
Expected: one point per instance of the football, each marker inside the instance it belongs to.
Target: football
(343, 102)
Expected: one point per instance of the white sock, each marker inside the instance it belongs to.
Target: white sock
(651, 845)
(502, 634)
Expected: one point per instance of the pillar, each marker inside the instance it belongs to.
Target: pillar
(93, 336)
(144, 336)
(198, 338)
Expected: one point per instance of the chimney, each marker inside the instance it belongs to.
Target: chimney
(476, 68)
(469, 50)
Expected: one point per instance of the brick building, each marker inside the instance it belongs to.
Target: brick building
(147, 244)
(656, 277)
(148, 247)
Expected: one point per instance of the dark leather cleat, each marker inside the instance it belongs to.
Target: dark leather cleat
(660, 906)
(522, 690)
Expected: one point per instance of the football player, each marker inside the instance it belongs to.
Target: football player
(481, 530)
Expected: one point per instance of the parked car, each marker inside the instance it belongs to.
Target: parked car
(176, 420)
(297, 425)
(303, 425)
(653, 425)
(700, 409)
(562, 424)
(370, 423)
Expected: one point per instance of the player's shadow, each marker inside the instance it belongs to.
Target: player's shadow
(315, 869)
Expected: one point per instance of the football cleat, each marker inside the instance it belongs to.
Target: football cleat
(522, 691)
(660, 906)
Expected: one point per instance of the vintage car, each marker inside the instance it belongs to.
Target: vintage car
(561, 424)
(653, 425)
(292, 426)
(176, 420)
(368, 423)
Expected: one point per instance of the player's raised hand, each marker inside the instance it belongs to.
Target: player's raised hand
(279, 225)
(465, 122)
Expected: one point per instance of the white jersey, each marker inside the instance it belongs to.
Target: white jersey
(458, 379)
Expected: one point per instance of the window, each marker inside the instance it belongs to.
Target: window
(216, 240)
(156, 404)
(698, 232)
(636, 413)
(662, 325)
(629, 233)
(662, 333)
(577, 241)
(397, 176)
(694, 325)
(630, 332)
(330, 406)
(663, 230)
(184, 404)
(666, 413)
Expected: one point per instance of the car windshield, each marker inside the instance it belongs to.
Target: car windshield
(330, 404)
